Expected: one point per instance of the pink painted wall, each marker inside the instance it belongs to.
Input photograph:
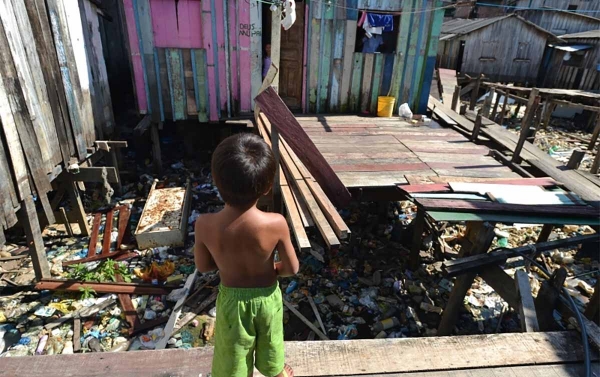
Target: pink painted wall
(177, 24)
(136, 58)
(221, 52)
(233, 56)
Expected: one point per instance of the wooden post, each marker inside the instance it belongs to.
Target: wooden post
(532, 104)
(476, 127)
(277, 207)
(114, 161)
(417, 238)
(595, 134)
(487, 104)
(547, 298)
(536, 124)
(593, 307)
(475, 93)
(29, 220)
(156, 155)
(504, 107)
(496, 104)
(77, 206)
(575, 159)
(545, 233)
(549, 107)
(65, 221)
(456, 99)
(596, 163)
(478, 238)
(527, 313)
(77, 334)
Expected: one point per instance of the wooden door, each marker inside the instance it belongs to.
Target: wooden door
(291, 60)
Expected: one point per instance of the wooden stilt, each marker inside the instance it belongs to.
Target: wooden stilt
(596, 163)
(592, 311)
(496, 104)
(575, 159)
(487, 104)
(114, 162)
(504, 107)
(478, 239)
(545, 233)
(28, 218)
(156, 155)
(456, 99)
(476, 127)
(532, 104)
(417, 239)
(475, 93)
(65, 220)
(547, 299)
(77, 206)
(595, 133)
(527, 312)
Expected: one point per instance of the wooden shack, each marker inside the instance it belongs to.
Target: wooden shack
(574, 64)
(561, 22)
(203, 60)
(505, 48)
(589, 7)
(54, 105)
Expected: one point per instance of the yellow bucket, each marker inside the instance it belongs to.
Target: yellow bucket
(385, 106)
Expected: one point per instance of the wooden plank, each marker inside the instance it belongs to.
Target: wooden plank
(200, 73)
(70, 77)
(124, 214)
(189, 78)
(22, 118)
(300, 236)
(162, 343)
(144, 24)
(8, 196)
(176, 83)
(94, 235)
(377, 74)
(29, 220)
(532, 105)
(94, 174)
(374, 179)
(527, 313)
(305, 320)
(367, 82)
(503, 284)
(325, 64)
(290, 129)
(327, 358)
(160, 57)
(106, 240)
(118, 287)
(313, 74)
(77, 206)
(307, 220)
(349, 41)
(315, 211)
(337, 223)
(357, 73)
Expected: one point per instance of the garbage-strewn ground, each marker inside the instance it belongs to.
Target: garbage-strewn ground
(364, 290)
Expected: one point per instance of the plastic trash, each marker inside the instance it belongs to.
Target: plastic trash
(386, 324)
(213, 312)
(68, 350)
(431, 308)
(149, 314)
(291, 287)
(404, 111)
(41, 345)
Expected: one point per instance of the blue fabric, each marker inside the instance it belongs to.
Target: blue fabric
(381, 20)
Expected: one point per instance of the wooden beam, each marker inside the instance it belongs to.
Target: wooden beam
(162, 343)
(545, 233)
(77, 206)
(76, 334)
(596, 164)
(29, 220)
(143, 125)
(475, 93)
(125, 288)
(547, 300)
(575, 159)
(305, 320)
(476, 127)
(456, 99)
(532, 105)
(595, 109)
(94, 174)
(504, 107)
(592, 311)
(65, 220)
(156, 154)
(496, 104)
(487, 104)
(595, 134)
(527, 313)
(547, 113)
(281, 117)
(502, 284)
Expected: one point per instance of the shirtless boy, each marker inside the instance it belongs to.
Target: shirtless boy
(240, 241)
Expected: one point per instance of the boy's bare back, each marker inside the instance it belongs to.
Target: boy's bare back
(241, 245)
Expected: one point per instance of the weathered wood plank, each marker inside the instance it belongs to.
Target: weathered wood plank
(313, 74)
(160, 56)
(144, 24)
(527, 313)
(8, 196)
(189, 78)
(28, 218)
(376, 84)
(325, 64)
(176, 84)
(201, 84)
(336, 72)
(349, 42)
(367, 82)
(357, 73)
(290, 129)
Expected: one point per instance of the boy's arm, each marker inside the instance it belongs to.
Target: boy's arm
(289, 265)
(204, 261)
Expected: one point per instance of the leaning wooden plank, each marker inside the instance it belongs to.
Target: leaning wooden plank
(315, 211)
(70, 77)
(305, 320)
(278, 113)
(29, 220)
(295, 220)
(162, 343)
(478, 206)
(7, 193)
(22, 117)
(337, 223)
(108, 225)
(119, 287)
(27, 64)
(302, 208)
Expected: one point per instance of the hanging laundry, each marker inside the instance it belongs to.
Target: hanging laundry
(371, 45)
(289, 7)
(386, 21)
(370, 31)
(363, 17)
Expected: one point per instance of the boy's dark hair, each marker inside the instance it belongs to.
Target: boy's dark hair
(243, 168)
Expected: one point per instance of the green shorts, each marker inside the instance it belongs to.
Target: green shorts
(249, 332)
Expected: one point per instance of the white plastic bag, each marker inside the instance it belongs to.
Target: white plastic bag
(404, 111)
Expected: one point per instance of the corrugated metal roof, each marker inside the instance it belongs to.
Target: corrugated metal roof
(572, 48)
(591, 34)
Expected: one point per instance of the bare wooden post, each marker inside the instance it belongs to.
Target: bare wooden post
(478, 239)
(77, 334)
(545, 233)
(475, 93)
(65, 221)
(504, 107)
(277, 207)
(575, 159)
(596, 163)
(549, 107)
(114, 161)
(417, 238)
(593, 307)
(595, 134)
(77, 206)
(529, 322)
(532, 104)
(487, 104)
(476, 127)
(29, 219)
(456, 99)
(496, 104)
(156, 155)
(547, 298)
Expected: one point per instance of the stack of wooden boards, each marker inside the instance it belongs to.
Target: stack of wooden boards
(305, 202)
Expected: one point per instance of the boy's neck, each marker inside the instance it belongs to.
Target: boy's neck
(239, 210)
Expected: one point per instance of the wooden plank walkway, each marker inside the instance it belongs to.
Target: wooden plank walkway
(332, 358)
(379, 152)
(573, 181)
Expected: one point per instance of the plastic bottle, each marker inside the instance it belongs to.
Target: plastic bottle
(386, 324)
(291, 287)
